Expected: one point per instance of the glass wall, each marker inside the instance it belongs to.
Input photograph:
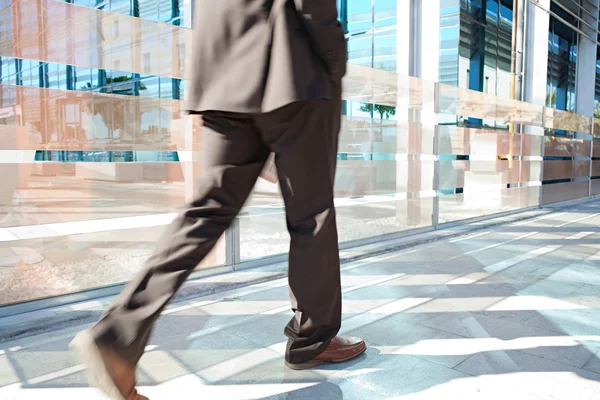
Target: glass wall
(562, 58)
(567, 152)
(475, 51)
(96, 156)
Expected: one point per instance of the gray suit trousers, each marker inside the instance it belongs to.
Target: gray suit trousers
(304, 137)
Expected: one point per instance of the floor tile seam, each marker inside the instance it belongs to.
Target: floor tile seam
(558, 361)
(256, 316)
(388, 300)
(498, 273)
(481, 313)
(456, 367)
(407, 296)
(596, 355)
(500, 247)
(46, 379)
(198, 372)
(396, 316)
(523, 323)
(521, 351)
(188, 367)
(563, 297)
(431, 359)
(360, 381)
(422, 323)
(556, 332)
(585, 286)
(579, 286)
(254, 341)
(436, 330)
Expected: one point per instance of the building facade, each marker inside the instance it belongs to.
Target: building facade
(453, 110)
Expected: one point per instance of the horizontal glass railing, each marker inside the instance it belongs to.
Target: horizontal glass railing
(62, 33)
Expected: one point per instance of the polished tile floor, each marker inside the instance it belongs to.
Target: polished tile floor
(507, 313)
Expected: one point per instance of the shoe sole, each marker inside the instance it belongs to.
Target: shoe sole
(85, 347)
(319, 363)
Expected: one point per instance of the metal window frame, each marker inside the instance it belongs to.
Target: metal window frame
(576, 29)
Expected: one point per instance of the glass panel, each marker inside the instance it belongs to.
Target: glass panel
(117, 42)
(450, 64)
(505, 26)
(562, 57)
(83, 78)
(595, 187)
(385, 13)
(360, 50)
(385, 50)
(165, 10)
(379, 188)
(360, 16)
(561, 121)
(559, 192)
(90, 215)
(121, 6)
(149, 9)
(484, 172)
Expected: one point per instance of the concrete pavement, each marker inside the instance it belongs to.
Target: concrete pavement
(507, 312)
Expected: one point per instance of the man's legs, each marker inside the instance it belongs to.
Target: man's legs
(304, 137)
(234, 155)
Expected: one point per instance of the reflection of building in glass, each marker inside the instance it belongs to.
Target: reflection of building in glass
(543, 52)
(562, 58)
(468, 43)
(110, 121)
(464, 43)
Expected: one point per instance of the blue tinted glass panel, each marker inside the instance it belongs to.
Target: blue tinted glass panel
(385, 13)
(360, 50)
(385, 50)
(360, 16)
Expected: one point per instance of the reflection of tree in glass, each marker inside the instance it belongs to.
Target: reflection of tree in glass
(551, 102)
(551, 99)
(597, 111)
(383, 111)
(119, 79)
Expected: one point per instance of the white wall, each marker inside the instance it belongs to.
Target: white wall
(536, 53)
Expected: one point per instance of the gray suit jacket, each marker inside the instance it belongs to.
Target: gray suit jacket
(254, 56)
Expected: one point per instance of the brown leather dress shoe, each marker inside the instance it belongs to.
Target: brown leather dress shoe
(340, 350)
(106, 370)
